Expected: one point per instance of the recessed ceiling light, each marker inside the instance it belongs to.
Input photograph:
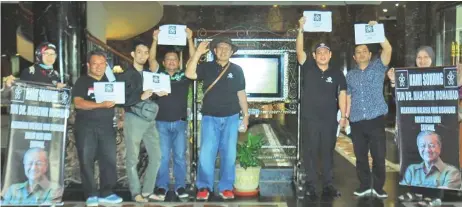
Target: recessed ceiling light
(397, 4)
(385, 10)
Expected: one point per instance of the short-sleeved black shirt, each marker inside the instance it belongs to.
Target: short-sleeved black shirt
(173, 106)
(222, 99)
(83, 88)
(38, 74)
(320, 91)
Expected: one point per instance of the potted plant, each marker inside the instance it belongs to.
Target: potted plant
(248, 166)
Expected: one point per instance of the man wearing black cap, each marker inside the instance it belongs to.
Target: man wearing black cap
(324, 91)
(224, 98)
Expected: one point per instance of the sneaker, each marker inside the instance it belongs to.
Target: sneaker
(111, 199)
(380, 193)
(181, 193)
(92, 201)
(363, 191)
(330, 191)
(159, 194)
(203, 194)
(139, 199)
(227, 194)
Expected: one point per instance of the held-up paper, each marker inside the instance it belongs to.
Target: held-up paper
(157, 82)
(172, 34)
(368, 34)
(109, 91)
(318, 21)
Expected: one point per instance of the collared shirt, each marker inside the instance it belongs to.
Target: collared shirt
(320, 91)
(222, 99)
(173, 106)
(366, 90)
(44, 192)
(441, 175)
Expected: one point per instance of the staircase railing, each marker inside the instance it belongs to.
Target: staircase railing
(114, 57)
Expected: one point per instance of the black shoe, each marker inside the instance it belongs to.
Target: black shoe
(181, 193)
(380, 193)
(331, 191)
(363, 191)
(160, 194)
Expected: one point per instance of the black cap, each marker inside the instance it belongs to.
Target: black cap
(218, 40)
(321, 45)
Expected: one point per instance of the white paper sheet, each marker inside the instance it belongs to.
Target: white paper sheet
(109, 91)
(318, 21)
(172, 34)
(157, 82)
(367, 34)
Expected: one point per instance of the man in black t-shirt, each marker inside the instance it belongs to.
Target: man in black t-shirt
(324, 91)
(171, 121)
(95, 135)
(220, 120)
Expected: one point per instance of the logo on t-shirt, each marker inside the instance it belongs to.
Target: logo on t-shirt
(91, 93)
(329, 80)
(230, 75)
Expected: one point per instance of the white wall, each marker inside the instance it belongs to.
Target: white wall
(97, 19)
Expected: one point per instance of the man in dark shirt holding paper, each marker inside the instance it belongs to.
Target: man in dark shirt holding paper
(224, 98)
(324, 92)
(140, 125)
(95, 135)
(171, 120)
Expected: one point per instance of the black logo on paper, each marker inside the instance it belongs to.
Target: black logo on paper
(369, 29)
(171, 30)
(109, 88)
(317, 17)
(155, 79)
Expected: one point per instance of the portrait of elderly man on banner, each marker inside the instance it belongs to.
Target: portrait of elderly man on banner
(37, 189)
(432, 172)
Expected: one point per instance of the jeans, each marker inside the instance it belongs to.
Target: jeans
(172, 138)
(218, 135)
(96, 142)
(370, 134)
(135, 130)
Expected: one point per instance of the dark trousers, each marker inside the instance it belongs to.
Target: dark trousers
(96, 142)
(369, 135)
(318, 136)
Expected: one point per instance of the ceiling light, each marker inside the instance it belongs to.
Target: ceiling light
(275, 5)
(385, 10)
(323, 6)
(397, 4)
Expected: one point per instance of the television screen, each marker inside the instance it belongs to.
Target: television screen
(261, 73)
(265, 73)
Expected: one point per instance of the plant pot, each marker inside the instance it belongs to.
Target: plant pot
(247, 181)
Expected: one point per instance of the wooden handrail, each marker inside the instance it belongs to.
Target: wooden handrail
(95, 40)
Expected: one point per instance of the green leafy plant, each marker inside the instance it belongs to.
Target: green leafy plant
(249, 150)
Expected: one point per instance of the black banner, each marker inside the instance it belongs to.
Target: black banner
(426, 109)
(34, 170)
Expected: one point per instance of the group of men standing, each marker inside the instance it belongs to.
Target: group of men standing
(360, 99)
(166, 131)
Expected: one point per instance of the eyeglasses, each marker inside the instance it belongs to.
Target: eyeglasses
(36, 163)
(49, 54)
